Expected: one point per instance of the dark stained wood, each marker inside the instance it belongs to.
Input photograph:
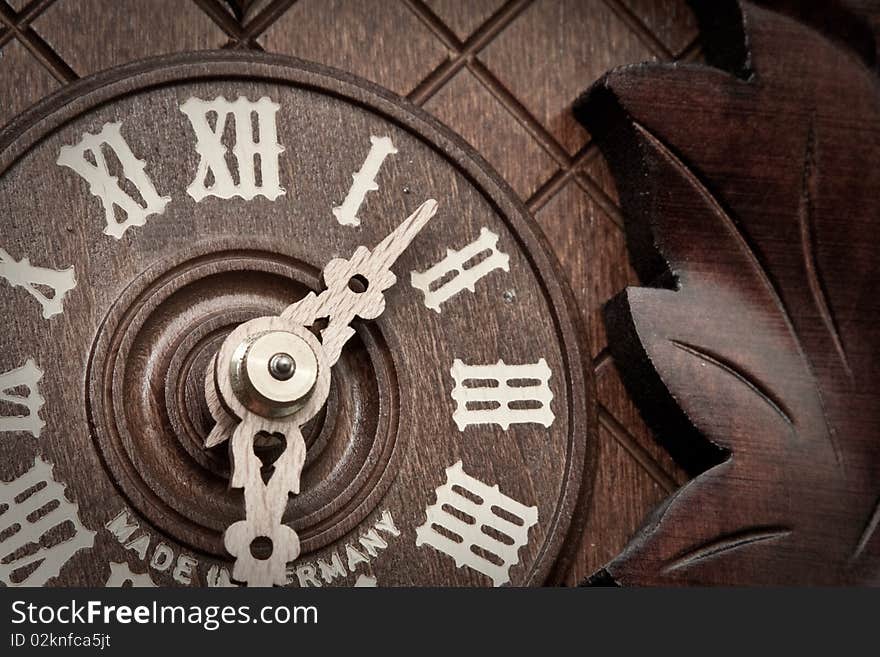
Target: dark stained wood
(149, 310)
(68, 26)
(853, 24)
(464, 17)
(672, 25)
(454, 62)
(750, 196)
(25, 83)
(869, 10)
(499, 137)
(385, 43)
(549, 55)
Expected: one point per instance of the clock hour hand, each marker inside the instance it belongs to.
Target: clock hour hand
(371, 274)
(355, 286)
(274, 375)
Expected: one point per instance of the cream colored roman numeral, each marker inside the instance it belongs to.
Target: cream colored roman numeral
(460, 270)
(471, 522)
(364, 181)
(251, 142)
(31, 507)
(27, 376)
(106, 187)
(515, 394)
(120, 575)
(25, 275)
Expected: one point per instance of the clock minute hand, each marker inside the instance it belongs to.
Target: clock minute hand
(277, 402)
(342, 301)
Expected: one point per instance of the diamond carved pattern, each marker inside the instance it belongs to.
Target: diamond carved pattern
(97, 35)
(620, 484)
(503, 74)
(26, 76)
(592, 250)
(380, 41)
(464, 17)
(553, 52)
(469, 109)
(671, 22)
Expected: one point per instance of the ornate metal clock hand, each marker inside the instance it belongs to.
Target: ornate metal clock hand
(274, 375)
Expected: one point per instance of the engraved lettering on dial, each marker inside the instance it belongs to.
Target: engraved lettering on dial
(213, 177)
(27, 376)
(121, 575)
(480, 533)
(331, 568)
(501, 394)
(107, 187)
(341, 563)
(132, 537)
(33, 506)
(365, 581)
(218, 578)
(23, 274)
(460, 270)
(364, 181)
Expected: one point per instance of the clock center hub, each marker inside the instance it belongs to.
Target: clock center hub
(282, 366)
(273, 373)
(150, 420)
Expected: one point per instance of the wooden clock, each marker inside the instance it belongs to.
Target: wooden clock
(501, 74)
(274, 326)
(270, 323)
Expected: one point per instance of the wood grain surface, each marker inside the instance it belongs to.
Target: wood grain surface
(751, 200)
(503, 74)
(153, 302)
(340, 305)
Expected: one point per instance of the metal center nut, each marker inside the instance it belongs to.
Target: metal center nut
(273, 373)
(282, 366)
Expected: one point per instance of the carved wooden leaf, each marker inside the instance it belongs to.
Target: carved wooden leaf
(752, 199)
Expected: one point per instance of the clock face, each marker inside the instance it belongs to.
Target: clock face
(148, 213)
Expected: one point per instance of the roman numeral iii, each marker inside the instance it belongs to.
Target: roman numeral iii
(501, 394)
